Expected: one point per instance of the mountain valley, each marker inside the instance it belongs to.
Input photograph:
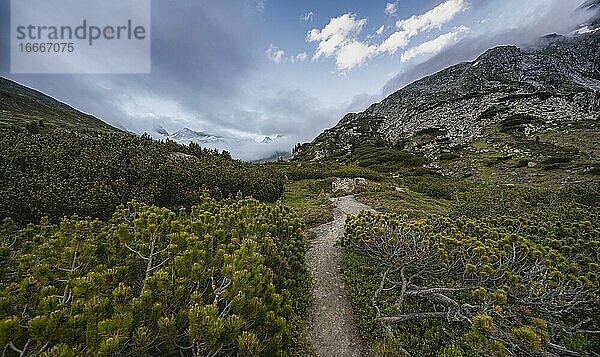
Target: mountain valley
(459, 216)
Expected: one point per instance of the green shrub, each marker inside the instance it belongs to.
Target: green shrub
(224, 278)
(62, 173)
(386, 159)
(491, 283)
(492, 111)
(558, 160)
(308, 170)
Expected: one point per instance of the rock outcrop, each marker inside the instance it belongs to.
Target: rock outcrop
(555, 79)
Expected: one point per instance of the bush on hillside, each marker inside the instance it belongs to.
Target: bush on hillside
(224, 278)
(62, 173)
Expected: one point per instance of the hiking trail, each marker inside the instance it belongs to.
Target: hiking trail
(330, 325)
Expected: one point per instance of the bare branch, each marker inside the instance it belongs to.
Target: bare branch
(135, 251)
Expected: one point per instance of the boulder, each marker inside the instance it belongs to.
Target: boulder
(347, 185)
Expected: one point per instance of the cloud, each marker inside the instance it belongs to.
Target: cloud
(275, 53)
(354, 54)
(391, 8)
(359, 102)
(432, 19)
(301, 57)
(396, 40)
(434, 46)
(260, 5)
(308, 17)
(339, 32)
(535, 19)
(339, 38)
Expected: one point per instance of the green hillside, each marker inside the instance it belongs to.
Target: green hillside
(155, 247)
(58, 162)
(21, 106)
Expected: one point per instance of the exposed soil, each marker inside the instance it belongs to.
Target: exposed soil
(330, 325)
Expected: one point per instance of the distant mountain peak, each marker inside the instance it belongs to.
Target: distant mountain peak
(269, 139)
(160, 130)
(189, 135)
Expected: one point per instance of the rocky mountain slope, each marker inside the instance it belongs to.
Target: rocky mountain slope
(525, 92)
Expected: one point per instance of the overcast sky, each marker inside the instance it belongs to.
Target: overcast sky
(254, 68)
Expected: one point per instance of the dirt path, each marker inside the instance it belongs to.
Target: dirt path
(330, 325)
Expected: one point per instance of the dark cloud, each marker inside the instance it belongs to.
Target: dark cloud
(199, 49)
(293, 111)
(200, 54)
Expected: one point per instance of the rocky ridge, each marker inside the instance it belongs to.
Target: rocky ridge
(553, 80)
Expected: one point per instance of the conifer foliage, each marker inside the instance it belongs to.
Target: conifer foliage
(224, 278)
(58, 173)
(505, 286)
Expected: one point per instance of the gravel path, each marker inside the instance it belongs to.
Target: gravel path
(330, 325)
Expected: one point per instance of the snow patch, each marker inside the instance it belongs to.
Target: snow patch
(583, 30)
